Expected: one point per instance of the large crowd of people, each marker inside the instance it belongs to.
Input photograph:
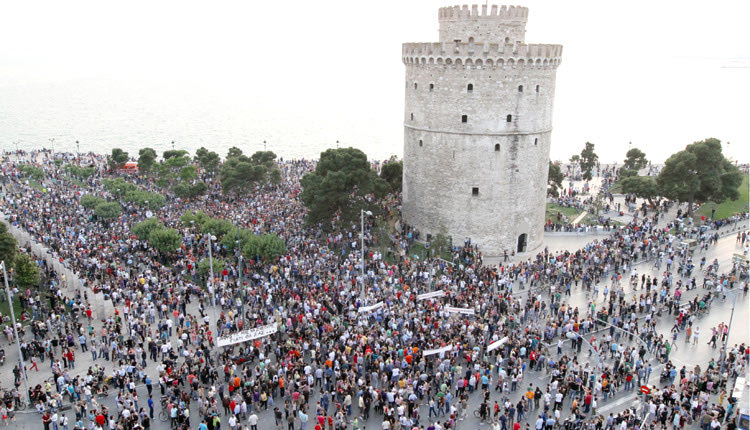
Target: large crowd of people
(350, 346)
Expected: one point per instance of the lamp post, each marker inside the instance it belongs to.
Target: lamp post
(16, 142)
(78, 149)
(52, 142)
(15, 329)
(264, 145)
(212, 290)
(173, 145)
(729, 329)
(337, 144)
(362, 213)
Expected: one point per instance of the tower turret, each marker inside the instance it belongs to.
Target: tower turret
(477, 127)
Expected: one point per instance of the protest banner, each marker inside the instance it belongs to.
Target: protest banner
(465, 311)
(370, 308)
(437, 350)
(495, 345)
(245, 335)
(425, 296)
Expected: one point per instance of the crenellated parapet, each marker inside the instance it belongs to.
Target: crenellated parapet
(509, 54)
(505, 13)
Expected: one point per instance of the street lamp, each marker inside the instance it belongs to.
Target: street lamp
(264, 145)
(337, 144)
(52, 142)
(78, 150)
(362, 214)
(212, 289)
(15, 329)
(173, 145)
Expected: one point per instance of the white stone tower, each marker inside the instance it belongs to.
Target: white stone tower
(477, 128)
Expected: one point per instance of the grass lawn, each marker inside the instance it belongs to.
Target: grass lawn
(729, 207)
(553, 209)
(16, 306)
(418, 248)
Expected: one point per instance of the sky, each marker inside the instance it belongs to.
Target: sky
(659, 74)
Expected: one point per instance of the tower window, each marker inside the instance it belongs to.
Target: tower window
(520, 88)
(497, 147)
(464, 118)
(432, 87)
(415, 85)
(412, 116)
(536, 140)
(475, 191)
(508, 118)
(470, 88)
(537, 88)
(420, 143)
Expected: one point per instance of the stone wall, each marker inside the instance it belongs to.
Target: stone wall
(477, 128)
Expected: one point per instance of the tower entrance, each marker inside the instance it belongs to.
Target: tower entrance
(521, 247)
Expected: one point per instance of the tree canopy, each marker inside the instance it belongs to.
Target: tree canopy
(117, 159)
(240, 173)
(146, 159)
(588, 161)
(165, 240)
(392, 172)
(640, 186)
(339, 184)
(90, 201)
(8, 245)
(26, 272)
(554, 179)
(108, 210)
(635, 159)
(143, 229)
(207, 160)
(700, 173)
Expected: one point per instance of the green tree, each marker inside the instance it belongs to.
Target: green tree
(635, 159)
(265, 158)
(117, 159)
(554, 179)
(217, 226)
(699, 173)
(588, 161)
(108, 210)
(90, 201)
(165, 240)
(274, 176)
(174, 153)
(234, 152)
(8, 245)
(80, 172)
(153, 201)
(193, 218)
(204, 267)
(392, 172)
(32, 171)
(267, 247)
(146, 159)
(188, 173)
(239, 175)
(627, 173)
(441, 243)
(207, 160)
(26, 272)
(187, 191)
(118, 186)
(143, 229)
(640, 186)
(338, 186)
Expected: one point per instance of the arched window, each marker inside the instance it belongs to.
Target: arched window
(475, 191)
(470, 88)
(497, 147)
(432, 87)
(464, 118)
(420, 143)
(415, 85)
(520, 88)
(509, 118)
(537, 88)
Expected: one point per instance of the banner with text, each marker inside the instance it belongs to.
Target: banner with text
(465, 311)
(425, 296)
(495, 345)
(371, 308)
(244, 336)
(437, 350)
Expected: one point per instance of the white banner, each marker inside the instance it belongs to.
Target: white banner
(465, 311)
(244, 336)
(437, 350)
(425, 296)
(370, 308)
(495, 345)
